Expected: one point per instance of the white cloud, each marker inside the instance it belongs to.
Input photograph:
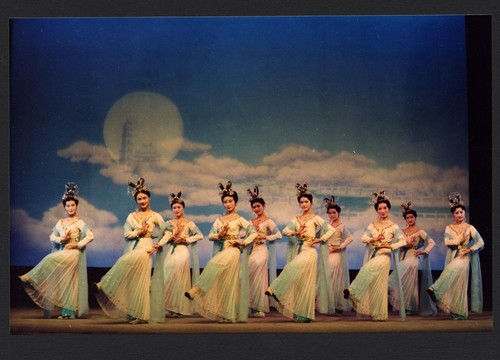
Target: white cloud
(191, 146)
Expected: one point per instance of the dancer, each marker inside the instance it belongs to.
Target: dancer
(369, 290)
(294, 289)
(419, 246)
(337, 268)
(259, 257)
(60, 279)
(123, 291)
(219, 293)
(464, 243)
(172, 272)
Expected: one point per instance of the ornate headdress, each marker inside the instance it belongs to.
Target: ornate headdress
(455, 199)
(138, 187)
(329, 202)
(378, 197)
(254, 194)
(227, 191)
(406, 207)
(176, 199)
(71, 192)
(302, 189)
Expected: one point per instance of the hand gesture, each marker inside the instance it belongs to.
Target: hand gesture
(66, 237)
(153, 249)
(223, 230)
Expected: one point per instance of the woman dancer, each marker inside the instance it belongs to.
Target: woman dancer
(60, 279)
(464, 243)
(369, 290)
(294, 289)
(419, 246)
(172, 272)
(267, 231)
(332, 302)
(123, 292)
(219, 294)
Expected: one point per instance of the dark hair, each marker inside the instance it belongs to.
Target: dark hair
(143, 192)
(307, 196)
(336, 207)
(259, 200)
(70, 199)
(178, 202)
(455, 207)
(234, 195)
(413, 212)
(387, 202)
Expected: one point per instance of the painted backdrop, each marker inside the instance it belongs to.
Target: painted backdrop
(348, 104)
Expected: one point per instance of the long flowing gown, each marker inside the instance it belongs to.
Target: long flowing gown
(258, 266)
(172, 273)
(337, 273)
(450, 289)
(60, 278)
(369, 290)
(295, 287)
(124, 291)
(415, 301)
(222, 289)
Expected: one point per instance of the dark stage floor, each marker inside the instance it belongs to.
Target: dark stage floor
(30, 321)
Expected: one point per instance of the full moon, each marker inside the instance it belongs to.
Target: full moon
(143, 128)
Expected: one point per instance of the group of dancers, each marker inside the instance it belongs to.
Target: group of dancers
(240, 280)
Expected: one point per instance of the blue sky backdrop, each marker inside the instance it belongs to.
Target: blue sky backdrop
(349, 104)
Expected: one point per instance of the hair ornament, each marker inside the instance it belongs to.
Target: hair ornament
(455, 199)
(329, 202)
(138, 187)
(176, 199)
(226, 191)
(71, 191)
(378, 197)
(302, 189)
(406, 207)
(254, 194)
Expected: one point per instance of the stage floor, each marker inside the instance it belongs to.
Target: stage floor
(30, 321)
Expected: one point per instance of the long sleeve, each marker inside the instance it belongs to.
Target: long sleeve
(55, 236)
(449, 239)
(289, 229)
(128, 229)
(367, 236)
(327, 229)
(430, 243)
(346, 238)
(194, 233)
(478, 240)
(251, 234)
(274, 233)
(400, 238)
(167, 231)
(213, 235)
(89, 236)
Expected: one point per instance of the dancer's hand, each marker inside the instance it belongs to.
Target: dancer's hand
(153, 249)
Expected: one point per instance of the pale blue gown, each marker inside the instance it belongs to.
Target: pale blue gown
(451, 287)
(60, 278)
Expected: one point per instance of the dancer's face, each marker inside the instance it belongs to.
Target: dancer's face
(70, 207)
(305, 204)
(333, 214)
(143, 201)
(411, 220)
(257, 208)
(229, 204)
(459, 214)
(178, 210)
(383, 211)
